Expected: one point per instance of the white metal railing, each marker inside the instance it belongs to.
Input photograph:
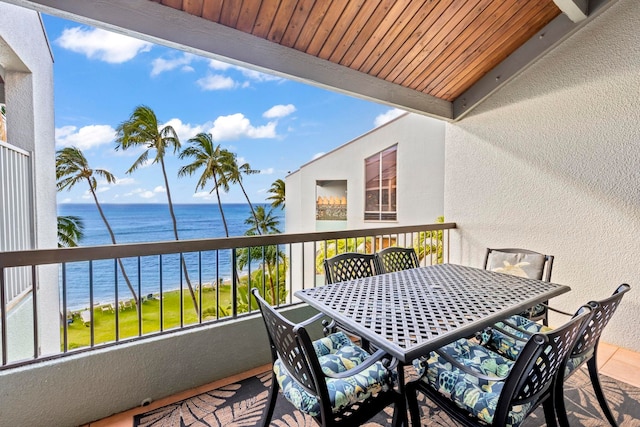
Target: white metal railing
(278, 265)
(16, 214)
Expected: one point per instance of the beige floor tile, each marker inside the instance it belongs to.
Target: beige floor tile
(624, 366)
(605, 352)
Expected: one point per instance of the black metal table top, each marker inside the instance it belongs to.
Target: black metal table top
(409, 313)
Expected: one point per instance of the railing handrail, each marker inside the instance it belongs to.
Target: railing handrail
(125, 250)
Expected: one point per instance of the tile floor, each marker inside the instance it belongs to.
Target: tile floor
(618, 363)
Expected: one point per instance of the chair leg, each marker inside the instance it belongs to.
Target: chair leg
(595, 380)
(561, 409)
(412, 403)
(549, 413)
(273, 396)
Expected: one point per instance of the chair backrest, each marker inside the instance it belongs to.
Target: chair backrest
(602, 312)
(519, 262)
(396, 259)
(350, 265)
(291, 344)
(535, 369)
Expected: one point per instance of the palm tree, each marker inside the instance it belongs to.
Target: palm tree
(263, 222)
(71, 168)
(277, 193)
(70, 231)
(142, 129)
(234, 176)
(215, 162)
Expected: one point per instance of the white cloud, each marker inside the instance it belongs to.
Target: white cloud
(219, 65)
(147, 194)
(203, 195)
(103, 45)
(216, 82)
(161, 65)
(184, 130)
(257, 76)
(317, 155)
(279, 111)
(267, 171)
(388, 116)
(86, 137)
(119, 182)
(237, 125)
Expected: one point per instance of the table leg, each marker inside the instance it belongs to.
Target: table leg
(400, 414)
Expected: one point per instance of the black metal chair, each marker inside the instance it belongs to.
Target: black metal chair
(524, 263)
(394, 258)
(476, 386)
(350, 265)
(331, 379)
(509, 336)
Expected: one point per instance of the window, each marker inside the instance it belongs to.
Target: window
(380, 187)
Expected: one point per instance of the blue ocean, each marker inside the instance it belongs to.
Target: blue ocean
(137, 223)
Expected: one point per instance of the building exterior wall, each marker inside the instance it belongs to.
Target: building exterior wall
(420, 172)
(27, 66)
(552, 163)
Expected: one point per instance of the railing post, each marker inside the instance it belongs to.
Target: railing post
(234, 282)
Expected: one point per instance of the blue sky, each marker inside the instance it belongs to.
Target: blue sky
(274, 124)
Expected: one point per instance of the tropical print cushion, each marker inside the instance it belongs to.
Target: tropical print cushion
(534, 311)
(477, 396)
(575, 362)
(336, 353)
(508, 346)
(517, 264)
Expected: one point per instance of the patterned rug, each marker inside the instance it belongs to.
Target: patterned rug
(243, 403)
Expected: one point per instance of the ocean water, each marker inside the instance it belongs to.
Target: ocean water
(136, 223)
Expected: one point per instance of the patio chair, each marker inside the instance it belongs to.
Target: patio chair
(509, 337)
(331, 379)
(476, 386)
(394, 258)
(350, 265)
(523, 263)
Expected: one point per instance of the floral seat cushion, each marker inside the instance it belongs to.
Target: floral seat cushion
(336, 353)
(477, 396)
(510, 348)
(534, 311)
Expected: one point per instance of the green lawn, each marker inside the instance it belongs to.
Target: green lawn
(79, 335)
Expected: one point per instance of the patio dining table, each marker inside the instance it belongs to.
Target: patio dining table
(411, 312)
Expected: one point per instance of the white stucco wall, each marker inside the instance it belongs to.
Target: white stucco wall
(28, 74)
(552, 163)
(420, 159)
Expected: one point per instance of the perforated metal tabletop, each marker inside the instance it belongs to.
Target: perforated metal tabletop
(411, 312)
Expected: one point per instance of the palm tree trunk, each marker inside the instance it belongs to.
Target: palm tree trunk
(175, 232)
(224, 221)
(113, 240)
(273, 287)
(253, 212)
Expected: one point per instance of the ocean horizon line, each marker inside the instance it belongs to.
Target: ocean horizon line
(163, 204)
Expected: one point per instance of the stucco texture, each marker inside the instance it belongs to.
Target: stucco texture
(552, 163)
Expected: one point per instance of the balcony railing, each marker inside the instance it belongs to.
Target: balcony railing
(121, 293)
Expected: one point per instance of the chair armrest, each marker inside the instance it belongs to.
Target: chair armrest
(558, 310)
(466, 369)
(312, 319)
(378, 356)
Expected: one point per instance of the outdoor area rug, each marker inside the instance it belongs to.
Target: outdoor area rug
(243, 403)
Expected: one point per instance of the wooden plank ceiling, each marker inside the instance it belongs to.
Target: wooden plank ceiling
(439, 48)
